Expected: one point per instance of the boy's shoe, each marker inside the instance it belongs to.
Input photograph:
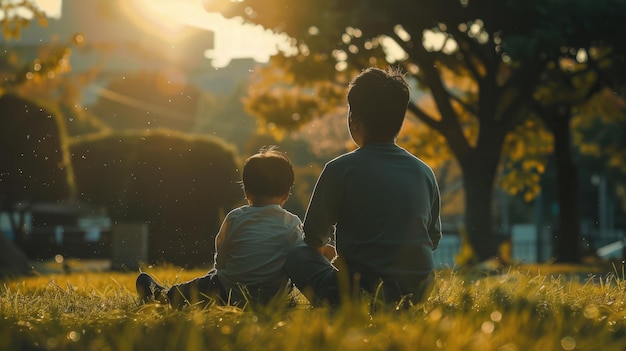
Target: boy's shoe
(149, 290)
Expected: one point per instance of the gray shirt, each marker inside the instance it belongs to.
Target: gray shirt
(382, 205)
(252, 244)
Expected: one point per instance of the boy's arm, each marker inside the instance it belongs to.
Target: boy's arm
(221, 247)
(321, 215)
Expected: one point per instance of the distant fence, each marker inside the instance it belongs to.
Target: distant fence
(527, 247)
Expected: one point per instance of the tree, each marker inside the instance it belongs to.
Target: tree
(34, 167)
(599, 135)
(33, 164)
(51, 61)
(40, 75)
(179, 185)
(591, 55)
(556, 110)
(434, 41)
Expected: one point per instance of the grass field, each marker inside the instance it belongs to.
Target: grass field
(516, 309)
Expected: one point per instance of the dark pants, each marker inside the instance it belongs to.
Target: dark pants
(209, 287)
(322, 283)
(201, 289)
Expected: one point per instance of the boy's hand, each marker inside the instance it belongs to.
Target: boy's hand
(328, 251)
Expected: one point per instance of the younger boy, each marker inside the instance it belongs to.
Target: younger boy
(380, 203)
(251, 245)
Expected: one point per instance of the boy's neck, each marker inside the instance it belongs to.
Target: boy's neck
(262, 203)
(259, 201)
(367, 141)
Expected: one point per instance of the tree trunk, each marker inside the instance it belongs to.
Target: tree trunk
(479, 167)
(567, 236)
(478, 185)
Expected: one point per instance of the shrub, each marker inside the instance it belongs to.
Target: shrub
(178, 184)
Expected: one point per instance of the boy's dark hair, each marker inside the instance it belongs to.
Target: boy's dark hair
(379, 99)
(268, 173)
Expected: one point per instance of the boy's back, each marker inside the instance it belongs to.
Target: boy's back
(381, 203)
(254, 243)
(385, 203)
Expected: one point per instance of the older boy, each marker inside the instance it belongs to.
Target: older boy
(380, 203)
(251, 245)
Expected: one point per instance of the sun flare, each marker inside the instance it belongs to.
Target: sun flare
(156, 17)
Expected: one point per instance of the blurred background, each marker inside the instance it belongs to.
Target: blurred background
(124, 123)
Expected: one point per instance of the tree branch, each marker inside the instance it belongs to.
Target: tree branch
(444, 90)
(449, 125)
(463, 104)
(425, 117)
(524, 79)
(467, 55)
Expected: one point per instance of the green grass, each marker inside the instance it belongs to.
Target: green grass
(518, 309)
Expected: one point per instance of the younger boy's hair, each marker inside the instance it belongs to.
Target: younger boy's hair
(268, 173)
(379, 99)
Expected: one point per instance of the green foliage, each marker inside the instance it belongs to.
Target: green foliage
(431, 147)
(599, 134)
(560, 28)
(589, 57)
(514, 310)
(180, 185)
(51, 62)
(282, 100)
(526, 155)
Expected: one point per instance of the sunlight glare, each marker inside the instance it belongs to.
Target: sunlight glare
(157, 17)
(233, 38)
(393, 51)
(434, 40)
(402, 33)
(487, 327)
(568, 343)
(450, 46)
(52, 9)
(581, 56)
